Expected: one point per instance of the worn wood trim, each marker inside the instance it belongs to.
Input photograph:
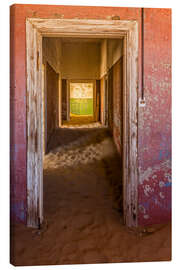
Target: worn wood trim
(130, 163)
(44, 106)
(91, 29)
(34, 126)
(43, 103)
(81, 27)
(39, 73)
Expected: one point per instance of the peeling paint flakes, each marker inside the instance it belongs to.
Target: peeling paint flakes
(147, 190)
(161, 184)
(161, 194)
(142, 209)
(144, 176)
(168, 176)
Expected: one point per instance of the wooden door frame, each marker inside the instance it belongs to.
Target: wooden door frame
(36, 29)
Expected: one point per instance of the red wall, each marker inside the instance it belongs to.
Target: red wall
(154, 119)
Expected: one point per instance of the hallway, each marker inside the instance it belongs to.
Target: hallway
(82, 163)
(83, 216)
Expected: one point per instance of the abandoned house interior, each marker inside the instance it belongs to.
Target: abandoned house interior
(90, 144)
(83, 82)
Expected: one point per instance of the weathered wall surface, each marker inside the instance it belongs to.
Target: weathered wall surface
(98, 101)
(114, 51)
(102, 105)
(79, 64)
(52, 52)
(64, 99)
(103, 58)
(115, 89)
(110, 99)
(52, 100)
(118, 104)
(154, 119)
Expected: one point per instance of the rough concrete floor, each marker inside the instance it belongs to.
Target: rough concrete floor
(82, 207)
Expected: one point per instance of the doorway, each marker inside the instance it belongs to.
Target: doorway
(36, 29)
(81, 100)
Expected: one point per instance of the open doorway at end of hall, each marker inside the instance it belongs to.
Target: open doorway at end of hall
(83, 85)
(83, 97)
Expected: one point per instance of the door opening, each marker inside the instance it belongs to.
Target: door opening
(106, 114)
(81, 99)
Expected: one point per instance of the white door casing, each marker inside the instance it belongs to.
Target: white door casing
(36, 29)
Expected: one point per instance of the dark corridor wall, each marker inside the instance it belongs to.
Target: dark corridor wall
(52, 100)
(98, 101)
(154, 120)
(64, 99)
(110, 99)
(115, 103)
(118, 105)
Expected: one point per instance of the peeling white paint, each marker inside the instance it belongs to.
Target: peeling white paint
(161, 184)
(144, 175)
(147, 190)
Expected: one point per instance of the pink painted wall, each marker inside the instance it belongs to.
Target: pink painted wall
(154, 120)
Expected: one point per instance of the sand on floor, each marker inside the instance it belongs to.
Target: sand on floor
(83, 221)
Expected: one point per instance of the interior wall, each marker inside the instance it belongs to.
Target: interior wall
(64, 99)
(115, 103)
(103, 59)
(118, 105)
(52, 94)
(111, 52)
(52, 55)
(110, 100)
(80, 60)
(52, 52)
(98, 101)
(114, 51)
(102, 103)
